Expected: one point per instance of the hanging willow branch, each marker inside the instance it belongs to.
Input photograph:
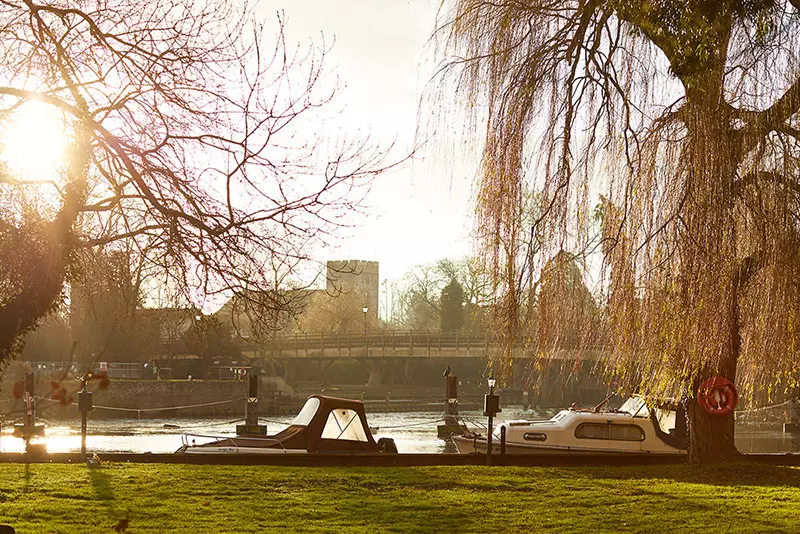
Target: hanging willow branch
(683, 116)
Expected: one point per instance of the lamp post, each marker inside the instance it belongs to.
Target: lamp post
(491, 407)
(365, 309)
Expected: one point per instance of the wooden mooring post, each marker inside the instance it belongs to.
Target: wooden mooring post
(452, 424)
(251, 426)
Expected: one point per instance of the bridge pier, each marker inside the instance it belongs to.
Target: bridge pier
(376, 372)
(324, 367)
(408, 372)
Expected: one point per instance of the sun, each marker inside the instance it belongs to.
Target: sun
(33, 142)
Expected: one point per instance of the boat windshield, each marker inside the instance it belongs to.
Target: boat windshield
(636, 407)
(307, 413)
(345, 425)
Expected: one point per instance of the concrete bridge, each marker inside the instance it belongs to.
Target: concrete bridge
(393, 356)
(397, 344)
(388, 360)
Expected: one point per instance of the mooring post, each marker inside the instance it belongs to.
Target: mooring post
(251, 426)
(28, 429)
(451, 420)
(251, 406)
(503, 440)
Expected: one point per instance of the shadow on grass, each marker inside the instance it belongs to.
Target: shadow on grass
(100, 484)
(732, 474)
(26, 489)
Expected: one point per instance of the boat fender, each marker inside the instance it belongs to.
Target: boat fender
(718, 396)
(387, 445)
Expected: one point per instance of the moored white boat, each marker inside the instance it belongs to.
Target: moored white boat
(630, 429)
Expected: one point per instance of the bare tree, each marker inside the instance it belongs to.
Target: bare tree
(338, 313)
(192, 138)
(418, 302)
(684, 114)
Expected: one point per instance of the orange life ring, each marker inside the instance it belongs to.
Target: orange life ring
(718, 396)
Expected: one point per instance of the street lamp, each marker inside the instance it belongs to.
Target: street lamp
(491, 407)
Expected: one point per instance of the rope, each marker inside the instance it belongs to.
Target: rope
(475, 423)
(412, 424)
(167, 408)
(275, 422)
(209, 424)
(140, 410)
(766, 407)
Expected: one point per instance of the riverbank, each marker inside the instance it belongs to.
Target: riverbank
(743, 497)
(157, 399)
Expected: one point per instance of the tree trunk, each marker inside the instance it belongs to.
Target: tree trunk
(711, 437)
(713, 156)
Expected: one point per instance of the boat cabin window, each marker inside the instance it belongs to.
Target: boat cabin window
(592, 431)
(307, 413)
(627, 433)
(344, 424)
(609, 431)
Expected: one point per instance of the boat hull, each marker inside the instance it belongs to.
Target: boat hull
(477, 445)
(239, 450)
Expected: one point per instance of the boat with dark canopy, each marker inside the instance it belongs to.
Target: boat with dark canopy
(324, 425)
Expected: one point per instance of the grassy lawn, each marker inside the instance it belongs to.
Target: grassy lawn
(192, 498)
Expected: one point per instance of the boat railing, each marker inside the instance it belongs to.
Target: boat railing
(185, 440)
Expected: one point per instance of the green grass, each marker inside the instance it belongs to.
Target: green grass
(744, 497)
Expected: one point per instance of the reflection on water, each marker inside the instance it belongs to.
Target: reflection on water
(412, 432)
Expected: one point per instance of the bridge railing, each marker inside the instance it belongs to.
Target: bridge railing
(403, 343)
(389, 338)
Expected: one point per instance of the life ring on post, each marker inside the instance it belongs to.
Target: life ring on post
(718, 396)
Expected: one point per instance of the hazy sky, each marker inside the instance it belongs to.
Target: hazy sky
(381, 54)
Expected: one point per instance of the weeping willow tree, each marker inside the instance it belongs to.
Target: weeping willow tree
(683, 115)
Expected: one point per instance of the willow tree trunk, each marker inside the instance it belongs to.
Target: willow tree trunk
(710, 250)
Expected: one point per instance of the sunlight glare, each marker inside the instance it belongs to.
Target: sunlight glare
(34, 142)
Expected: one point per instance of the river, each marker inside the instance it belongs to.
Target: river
(413, 432)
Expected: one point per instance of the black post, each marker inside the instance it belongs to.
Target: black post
(83, 433)
(251, 426)
(451, 400)
(502, 440)
(489, 443)
(451, 423)
(84, 406)
(251, 406)
(491, 407)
